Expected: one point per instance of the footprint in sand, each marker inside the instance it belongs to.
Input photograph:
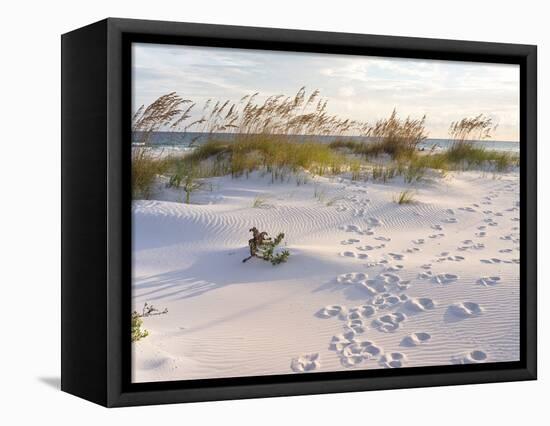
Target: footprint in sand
(474, 357)
(465, 309)
(450, 220)
(467, 209)
(339, 342)
(369, 248)
(396, 256)
(481, 234)
(403, 285)
(437, 227)
(434, 236)
(305, 363)
(381, 238)
(425, 275)
(505, 251)
(491, 261)
(363, 311)
(357, 351)
(415, 339)
(355, 325)
(352, 278)
(393, 360)
(389, 322)
(356, 229)
(341, 209)
(393, 268)
(412, 250)
(389, 278)
(489, 281)
(450, 258)
(419, 304)
(472, 246)
(349, 241)
(373, 221)
(330, 311)
(373, 287)
(450, 211)
(419, 241)
(352, 254)
(358, 212)
(380, 283)
(389, 300)
(445, 278)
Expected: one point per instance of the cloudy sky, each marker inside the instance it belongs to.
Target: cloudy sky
(357, 87)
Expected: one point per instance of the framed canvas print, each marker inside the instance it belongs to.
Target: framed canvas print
(253, 212)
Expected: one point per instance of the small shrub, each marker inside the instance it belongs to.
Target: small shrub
(260, 203)
(268, 251)
(185, 177)
(263, 247)
(137, 332)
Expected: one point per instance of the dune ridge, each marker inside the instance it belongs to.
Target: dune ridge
(369, 283)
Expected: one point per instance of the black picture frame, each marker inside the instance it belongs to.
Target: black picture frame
(96, 216)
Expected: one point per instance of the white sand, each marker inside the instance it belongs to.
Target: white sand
(369, 283)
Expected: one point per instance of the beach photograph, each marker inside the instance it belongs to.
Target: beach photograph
(299, 212)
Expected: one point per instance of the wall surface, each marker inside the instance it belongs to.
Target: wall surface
(30, 229)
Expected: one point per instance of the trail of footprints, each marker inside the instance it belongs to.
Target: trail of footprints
(386, 311)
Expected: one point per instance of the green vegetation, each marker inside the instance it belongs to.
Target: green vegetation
(278, 138)
(267, 251)
(405, 197)
(137, 332)
(260, 203)
(263, 247)
(145, 169)
(185, 176)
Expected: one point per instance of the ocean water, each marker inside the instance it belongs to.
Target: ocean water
(180, 141)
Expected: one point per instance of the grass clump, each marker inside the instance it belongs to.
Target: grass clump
(275, 154)
(145, 168)
(260, 203)
(186, 177)
(280, 137)
(405, 197)
(396, 137)
(464, 154)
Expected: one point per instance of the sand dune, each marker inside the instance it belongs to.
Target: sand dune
(369, 283)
